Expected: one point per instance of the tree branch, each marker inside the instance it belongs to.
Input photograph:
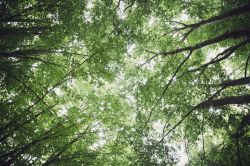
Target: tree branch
(225, 54)
(227, 35)
(233, 12)
(187, 114)
(244, 99)
(248, 58)
(241, 81)
(175, 73)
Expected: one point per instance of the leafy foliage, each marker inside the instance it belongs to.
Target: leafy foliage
(134, 82)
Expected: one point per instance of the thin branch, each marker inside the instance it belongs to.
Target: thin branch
(225, 54)
(187, 149)
(187, 114)
(181, 23)
(44, 61)
(165, 89)
(248, 58)
(57, 154)
(129, 6)
(203, 141)
(26, 86)
(239, 133)
(148, 60)
(151, 52)
(185, 35)
(60, 82)
(11, 128)
(118, 4)
(238, 149)
(174, 75)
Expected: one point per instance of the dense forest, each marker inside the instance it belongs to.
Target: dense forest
(124, 82)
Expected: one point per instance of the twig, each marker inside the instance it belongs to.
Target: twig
(178, 22)
(129, 6)
(118, 4)
(245, 74)
(203, 142)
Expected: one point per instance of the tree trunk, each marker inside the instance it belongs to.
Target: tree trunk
(24, 53)
(233, 12)
(13, 31)
(225, 36)
(237, 82)
(244, 99)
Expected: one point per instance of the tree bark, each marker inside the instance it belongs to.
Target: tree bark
(237, 82)
(24, 53)
(222, 56)
(244, 99)
(233, 12)
(227, 35)
(13, 31)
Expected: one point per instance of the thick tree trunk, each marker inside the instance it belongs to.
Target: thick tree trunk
(225, 36)
(24, 53)
(237, 82)
(233, 12)
(39, 6)
(14, 125)
(13, 154)
(13, 31)
(26, 20)
(244, 99)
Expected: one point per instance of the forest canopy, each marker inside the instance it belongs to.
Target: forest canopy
(124, 82)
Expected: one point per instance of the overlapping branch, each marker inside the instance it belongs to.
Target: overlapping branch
(227, 35)
(191, 27)
(189, 113)
(234, 34)
(222, 56)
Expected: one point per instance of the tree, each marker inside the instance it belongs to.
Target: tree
(132, 82)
